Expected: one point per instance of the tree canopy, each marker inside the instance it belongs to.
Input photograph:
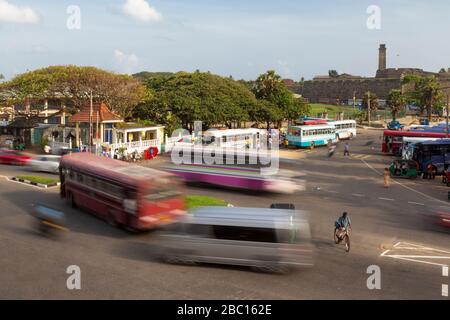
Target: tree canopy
(396, 102)
(75, 84)
(424, 92)
(186, 97)
(270, 87)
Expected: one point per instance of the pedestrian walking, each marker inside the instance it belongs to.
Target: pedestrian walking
(430, 172)
(346, 149)
(387, 178)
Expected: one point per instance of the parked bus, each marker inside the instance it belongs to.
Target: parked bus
(230, 138)
(393, 139)
(311, 136)
(123, 194)
(435, 152)
(407, 141)
(345, 129)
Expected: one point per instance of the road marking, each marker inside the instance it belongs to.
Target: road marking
(417, 257)
(417, 203)
(445, 286)
(358, 195)
(387, 199)
(401, 184)
(331, 191)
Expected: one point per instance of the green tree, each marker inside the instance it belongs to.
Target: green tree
(396, 102)
(372, 97)
(2, 77)
(270, 87)
(266, 112)
(188, 97)
(333, 74)
(75, 84)
(424, 92)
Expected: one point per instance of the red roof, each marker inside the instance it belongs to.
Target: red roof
(104, 114)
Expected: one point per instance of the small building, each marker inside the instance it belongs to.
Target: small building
(102, 121)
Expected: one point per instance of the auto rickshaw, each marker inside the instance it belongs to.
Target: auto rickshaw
(404, 169)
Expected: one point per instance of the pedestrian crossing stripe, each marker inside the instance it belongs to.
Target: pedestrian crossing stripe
(361, 156)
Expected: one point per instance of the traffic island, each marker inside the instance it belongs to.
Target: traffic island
(193, 201)
(37, 181)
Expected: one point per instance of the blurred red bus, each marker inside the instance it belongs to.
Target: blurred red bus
(124, 194)
(393, 139)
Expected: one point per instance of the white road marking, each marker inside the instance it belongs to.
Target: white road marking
(401, 184)
(417, 203)
(358, 195)
(386, 199)
(415, 257)
(445, 290)
(445, 271)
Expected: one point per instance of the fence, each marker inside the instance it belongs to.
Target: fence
(170, 142)
(139, 146)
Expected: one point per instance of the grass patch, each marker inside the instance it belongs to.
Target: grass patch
(37, 179)
(200, 201)
(332, 110)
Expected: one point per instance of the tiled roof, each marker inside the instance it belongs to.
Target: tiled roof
(104, 114)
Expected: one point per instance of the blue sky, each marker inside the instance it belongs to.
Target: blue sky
(239, 38)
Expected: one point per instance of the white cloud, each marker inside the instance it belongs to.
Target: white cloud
(141, 10)
(12, 13)
(125, 62)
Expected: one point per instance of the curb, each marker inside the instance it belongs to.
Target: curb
(45, 186)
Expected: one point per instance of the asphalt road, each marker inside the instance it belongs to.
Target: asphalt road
(388, 231)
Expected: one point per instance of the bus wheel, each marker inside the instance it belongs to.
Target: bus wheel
(71, 200)
(111, 219)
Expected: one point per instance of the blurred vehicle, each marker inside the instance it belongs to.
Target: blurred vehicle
(238, 177)
(439, 217)
(45, 163)
(49, 219)
(273, 240)
(124, 194)
(446, 177)
(404, 169)
(289, 206)
(395, 125)
(13, 157)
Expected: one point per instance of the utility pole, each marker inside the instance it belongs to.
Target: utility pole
(368, 106)
(354, 100)
(446, 114)
(91, 129)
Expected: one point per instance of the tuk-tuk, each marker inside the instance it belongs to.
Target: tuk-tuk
(395, 125)
(404, 169)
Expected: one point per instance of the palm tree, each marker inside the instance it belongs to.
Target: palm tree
(396, 102)
(425, 92)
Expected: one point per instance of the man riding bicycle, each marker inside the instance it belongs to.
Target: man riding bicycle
(343, 222)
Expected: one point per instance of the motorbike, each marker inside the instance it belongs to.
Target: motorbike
(342, 234)
(49, 221)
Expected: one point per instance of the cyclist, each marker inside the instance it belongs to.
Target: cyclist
(343, 222)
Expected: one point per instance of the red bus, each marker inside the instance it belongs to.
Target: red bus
(393, 139)
(124, 194)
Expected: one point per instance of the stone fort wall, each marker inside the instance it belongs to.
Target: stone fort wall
(336, 91)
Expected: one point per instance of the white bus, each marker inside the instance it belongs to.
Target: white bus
(230, 138)
(310, 136)
(345, 129)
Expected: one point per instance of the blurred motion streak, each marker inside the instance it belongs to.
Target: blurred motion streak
(124, 194)
(270, 240)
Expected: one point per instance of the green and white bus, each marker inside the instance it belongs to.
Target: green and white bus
(310, 136)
